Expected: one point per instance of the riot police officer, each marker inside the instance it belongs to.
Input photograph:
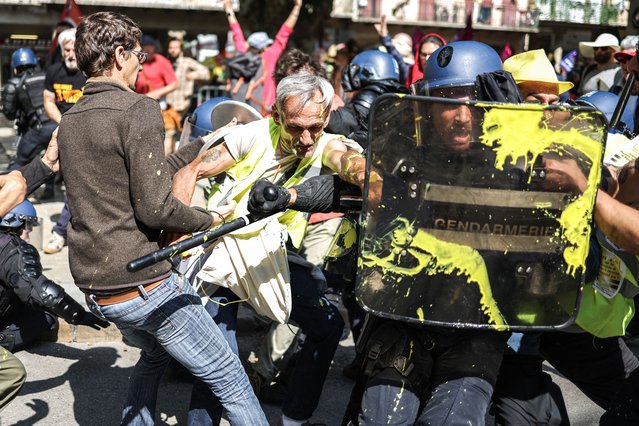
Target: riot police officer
(369, 75)
(25, 291)
(29, 302)
(22, 101)
(415, 373)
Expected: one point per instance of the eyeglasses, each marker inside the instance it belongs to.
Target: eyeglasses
(142, 56)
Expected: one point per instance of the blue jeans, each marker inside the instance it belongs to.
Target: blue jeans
(170, 321)
(321, 323)
(451, 380)
(34, 140)
(60, 226)
(459, 401)
(202, 410)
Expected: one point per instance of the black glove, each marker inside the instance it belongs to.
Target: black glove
(90, 320)
(266, 198)
(72, 312)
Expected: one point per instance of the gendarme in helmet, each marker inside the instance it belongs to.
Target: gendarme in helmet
(22, 214)
(215, 114)
(23, 58)
(451, 72)
(457, 65)
(368, 67)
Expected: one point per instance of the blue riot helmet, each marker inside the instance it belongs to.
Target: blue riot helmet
(368, 67)
(23, 57)
(214, 114)
(23, 213)
(606, 102)
(457, 65)
(200, 121)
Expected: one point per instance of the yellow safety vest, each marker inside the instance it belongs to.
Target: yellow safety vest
(607, 304)
(252, 167)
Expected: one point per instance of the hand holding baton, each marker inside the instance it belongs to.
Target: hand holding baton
(197, 240)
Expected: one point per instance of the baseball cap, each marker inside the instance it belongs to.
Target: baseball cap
(624, 57)
(259, 40)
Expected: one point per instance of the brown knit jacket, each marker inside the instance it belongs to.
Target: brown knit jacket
(119, 186)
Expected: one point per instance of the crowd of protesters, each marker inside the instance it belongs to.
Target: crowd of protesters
(135, 139)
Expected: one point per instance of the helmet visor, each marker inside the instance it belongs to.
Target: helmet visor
(16, 220)
(190, 131)
(422, 88)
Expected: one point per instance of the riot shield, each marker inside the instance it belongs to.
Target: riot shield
(478, 215)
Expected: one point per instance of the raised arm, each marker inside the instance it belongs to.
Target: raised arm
(292, 17)
(238, 36)
(387, 42)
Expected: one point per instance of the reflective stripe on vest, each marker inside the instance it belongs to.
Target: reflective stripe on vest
(609, 315)
(630, 261)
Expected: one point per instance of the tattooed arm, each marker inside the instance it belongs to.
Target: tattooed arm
(210, 163)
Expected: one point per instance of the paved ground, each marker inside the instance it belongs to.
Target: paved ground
(82, 378)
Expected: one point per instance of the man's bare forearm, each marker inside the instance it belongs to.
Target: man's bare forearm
(618, 222)
(13, 190)
(353, 168)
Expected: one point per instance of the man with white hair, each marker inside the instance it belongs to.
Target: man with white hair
(62, 88)
(64, 82)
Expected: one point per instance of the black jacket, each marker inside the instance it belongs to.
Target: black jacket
(352, 119)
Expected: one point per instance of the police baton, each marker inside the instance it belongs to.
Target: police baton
(177, 248)
(623, 101)
(197, 240)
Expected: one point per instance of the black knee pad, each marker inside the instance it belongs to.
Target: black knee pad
(398, 354)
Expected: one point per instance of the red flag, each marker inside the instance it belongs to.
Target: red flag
(72, 14)
(466, 33)
(506, 53)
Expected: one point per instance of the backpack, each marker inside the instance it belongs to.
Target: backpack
(245, 80)
(243, 65)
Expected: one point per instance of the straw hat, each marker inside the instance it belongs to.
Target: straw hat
(533, 72)
(586, 48)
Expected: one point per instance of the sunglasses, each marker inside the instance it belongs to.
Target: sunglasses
(142, 56)
(601, 48)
